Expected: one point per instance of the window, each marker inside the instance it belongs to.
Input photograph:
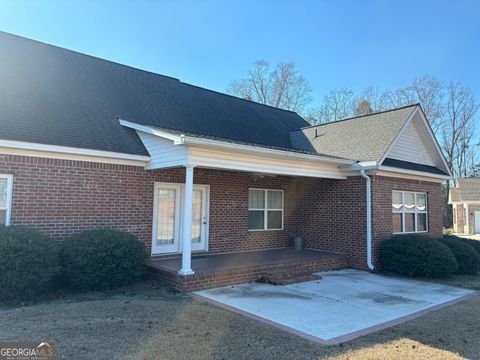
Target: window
(409, 212)
(265, 209)
(6, 182)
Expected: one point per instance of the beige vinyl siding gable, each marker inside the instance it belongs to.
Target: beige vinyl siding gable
(415, 145)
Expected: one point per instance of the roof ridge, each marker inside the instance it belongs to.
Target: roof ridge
(88, 55)
(360, 116)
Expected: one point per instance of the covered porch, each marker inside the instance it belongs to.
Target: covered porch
(241, 201)
(218, 270)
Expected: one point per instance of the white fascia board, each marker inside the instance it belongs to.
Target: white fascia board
(413, 172)
(71, 150)
(177, 139)
(263, 151)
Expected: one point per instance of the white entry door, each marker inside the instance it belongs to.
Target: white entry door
(477, 222)
(200, 217)
(167, 218)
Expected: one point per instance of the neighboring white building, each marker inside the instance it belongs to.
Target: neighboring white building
(465, 199)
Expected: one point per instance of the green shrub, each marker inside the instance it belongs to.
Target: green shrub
(102, 259)
(28, 263)
(467, 257)
(473, 243)
(415, 255)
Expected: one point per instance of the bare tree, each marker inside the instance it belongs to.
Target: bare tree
(363, 108)
(426, 90)
(429, 92)
(283, 87)
(337, 104)
(457, 128)
(376, 98)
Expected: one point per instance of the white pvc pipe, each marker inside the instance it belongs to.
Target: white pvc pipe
(369, 218)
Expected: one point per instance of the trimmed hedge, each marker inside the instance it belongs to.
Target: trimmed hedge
(415, 255)
(102, 259)
(29, 263)
(467, 257)
(473, 243)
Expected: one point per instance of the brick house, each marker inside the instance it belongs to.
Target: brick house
(87, 143)
(465, 201)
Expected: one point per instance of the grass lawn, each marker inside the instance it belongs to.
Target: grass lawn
(148, 321)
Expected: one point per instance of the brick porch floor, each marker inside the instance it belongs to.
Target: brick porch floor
(235, 268)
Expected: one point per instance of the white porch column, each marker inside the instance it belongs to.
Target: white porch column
(187, 223)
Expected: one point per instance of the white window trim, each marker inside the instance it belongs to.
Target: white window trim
(415, 211)
(265, 209)
(8, 203)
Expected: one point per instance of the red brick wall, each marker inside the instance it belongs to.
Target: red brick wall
(63, 197)
(331, 215)
(382, 188)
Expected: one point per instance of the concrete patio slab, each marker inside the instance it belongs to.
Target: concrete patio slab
(343, 305)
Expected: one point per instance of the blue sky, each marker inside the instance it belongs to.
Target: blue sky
(335, 44)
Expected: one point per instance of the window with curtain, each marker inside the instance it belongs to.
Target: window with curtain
(409, 212)
(265, 209)
(5, 198)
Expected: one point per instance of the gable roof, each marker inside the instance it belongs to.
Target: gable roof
(468, 189)
(362, 138)
(54, 96)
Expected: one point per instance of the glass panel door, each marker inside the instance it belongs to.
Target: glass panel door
(200, 218)
(168, 212)
(166, 216)
(167, 220)
(197, 217)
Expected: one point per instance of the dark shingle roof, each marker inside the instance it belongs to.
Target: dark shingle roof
(54, 96)
(50, 95)
(362, 138)
(468, 189)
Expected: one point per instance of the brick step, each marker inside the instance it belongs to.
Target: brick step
(287, 273)
(276, 278)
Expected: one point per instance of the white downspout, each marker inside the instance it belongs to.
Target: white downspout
(369, 218)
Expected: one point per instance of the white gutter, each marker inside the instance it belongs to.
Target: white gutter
(13, 144)
(369, 218)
